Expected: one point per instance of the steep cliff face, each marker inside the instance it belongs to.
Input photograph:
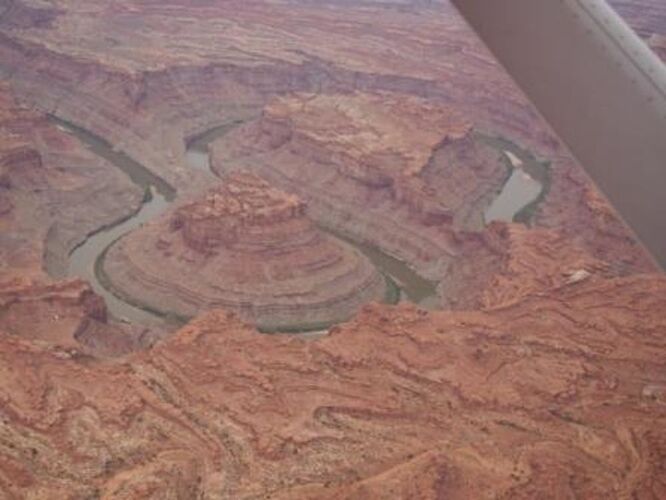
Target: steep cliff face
(249, 248)
(507, 263)
(236, 214)
(58, 190)
(575, 208)
(547, 379)
(143, 92)
(93, 65)
(563, 393)
(389, 169)
(66, 315)
(52, 193)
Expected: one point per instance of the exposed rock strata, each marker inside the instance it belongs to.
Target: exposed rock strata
(563, 394)
(389, 169)
(54, 192)
(555, 388)
(144, 98)
(507, 263)
(575, 208)
(66, 314)
(249, 248)
(89, 65)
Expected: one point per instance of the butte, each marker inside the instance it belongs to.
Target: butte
(249, 248)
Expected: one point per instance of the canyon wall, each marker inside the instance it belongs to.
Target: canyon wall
(545, 377)
(249, 248)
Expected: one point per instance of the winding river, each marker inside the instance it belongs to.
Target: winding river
(402, 282)
(86, 259)
(525, 186)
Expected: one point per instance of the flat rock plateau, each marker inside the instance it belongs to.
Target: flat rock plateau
(325, 166)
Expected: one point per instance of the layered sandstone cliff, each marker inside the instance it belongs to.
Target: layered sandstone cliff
(548, 381)
(144, 92)
(507, 263)
(389, 169)
(52, 194)
(249, 248)
(53, 191)
(575, 208)
(66, 315)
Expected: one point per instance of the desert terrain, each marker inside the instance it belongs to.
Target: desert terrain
(308, 249)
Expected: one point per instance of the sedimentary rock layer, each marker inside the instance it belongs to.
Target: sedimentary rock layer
(552, 386)
(507, 263)
(249, 248)
(561, 395)
(52, 194)
(576, 208)
(66, 314)
(144, 89)
(387, 168)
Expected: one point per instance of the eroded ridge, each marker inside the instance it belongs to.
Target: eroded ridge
(392, 170)
(247, 247)
(563, 393)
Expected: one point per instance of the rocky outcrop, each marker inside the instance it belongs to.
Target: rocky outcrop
(507, 263)
(54, 189)
(144, 99)
(67, 315)
(375, 166)
(562, 394)
(249, 248)
(547, 381)
(576, 209)
(243, 204)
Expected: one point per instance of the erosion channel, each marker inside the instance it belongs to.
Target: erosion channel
(86, 260)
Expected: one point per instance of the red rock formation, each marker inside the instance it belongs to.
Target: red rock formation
(48, 203)
(66, 314)
(387, 168)
(60, 191)
(508, 262)
(144, 99)
(554, 387)
(233, 211)
(561, 395)
(247, 247)
(575, 208)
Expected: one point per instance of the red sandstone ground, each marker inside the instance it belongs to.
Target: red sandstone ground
(547, 381)
(558, 396)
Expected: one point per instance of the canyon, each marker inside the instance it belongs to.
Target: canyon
(262, 249)
(247, 248)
